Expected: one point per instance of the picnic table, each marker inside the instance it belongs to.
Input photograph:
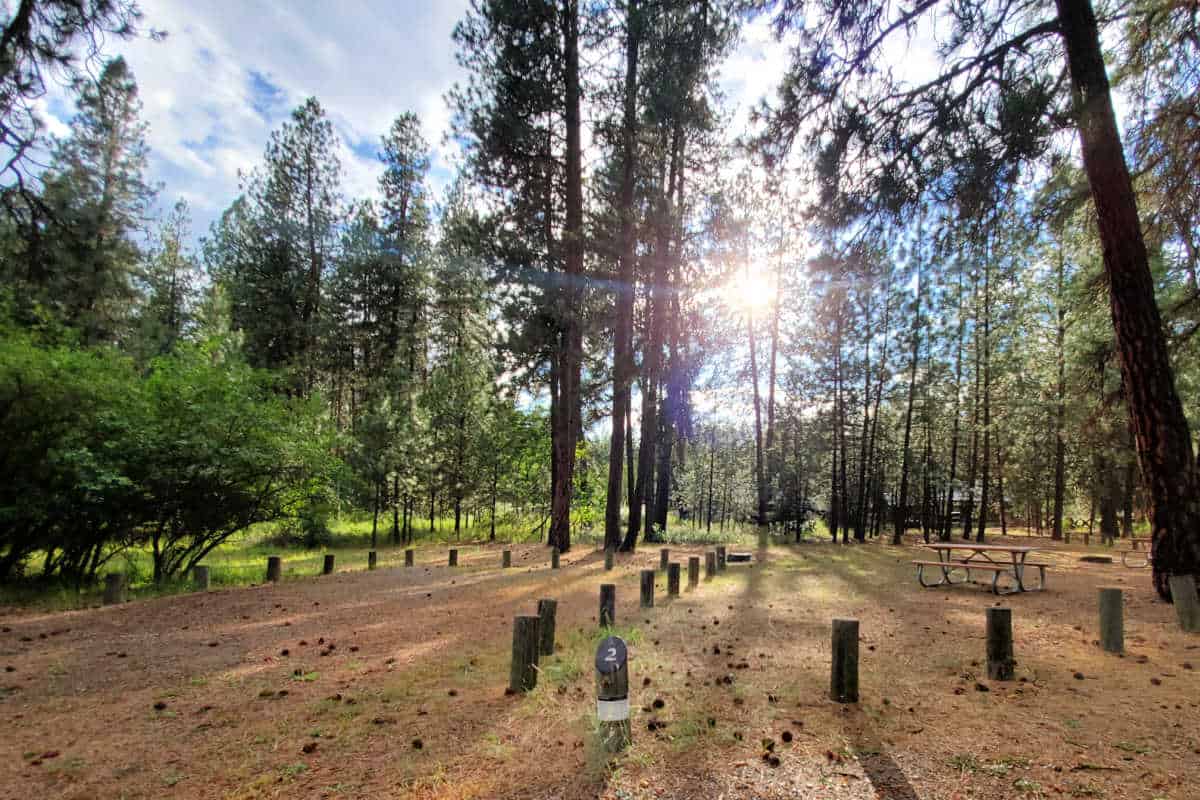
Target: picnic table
(1135, 550)
(1010, 561)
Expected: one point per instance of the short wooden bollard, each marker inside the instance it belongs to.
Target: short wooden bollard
(200, 577)
(720, 559)
(673, 580)
(1000, 662)
(274, 568)
(522, 677)
(609, 559)
(506, 559)
(608, 605)
(114, 588)
(612, 694)
(408, 557)
(372, 559)
(664, 557)
(453, 557)
(693, 571)
(843, 680)
(327, 567)
(1112, 620)
(647, 588)
(1187, 603)
(710, 565)
(554, 556)
(546, 612)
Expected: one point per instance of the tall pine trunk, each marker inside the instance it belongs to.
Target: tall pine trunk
(1164, 444)
(623, 333)
(901, 510)
(571, 338)
(1060, 413)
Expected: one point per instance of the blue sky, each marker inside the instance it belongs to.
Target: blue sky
(229, 73)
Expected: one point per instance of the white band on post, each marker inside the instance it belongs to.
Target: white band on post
(612, 710)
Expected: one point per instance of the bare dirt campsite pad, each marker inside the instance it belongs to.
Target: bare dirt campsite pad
(392, 684)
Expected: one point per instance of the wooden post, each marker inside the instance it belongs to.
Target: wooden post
(200, 577)
(1112, 620)
(693, 571)
(664, 557)
(1187, 604)
(609, 560)
(274, 568)
(612, 694)
(1000, 663)
(506, 559)
(327, 567)
(372, 559)
(608, 605)
(843, 681)
(647, 588)
(408, 557)
(522, 677)
(114, 588)
(453, 557)
(546, 611)
(673, 579)
(721, 558)
(710, 565)
(554, 556)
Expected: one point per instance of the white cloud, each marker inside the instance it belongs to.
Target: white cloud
(230, 71)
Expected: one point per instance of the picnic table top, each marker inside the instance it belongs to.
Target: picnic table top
(999, 548)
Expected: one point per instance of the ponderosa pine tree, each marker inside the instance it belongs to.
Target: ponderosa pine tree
(274, 247)
(97, 196)
(171, 278)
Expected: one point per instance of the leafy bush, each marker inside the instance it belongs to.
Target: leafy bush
(99, 456)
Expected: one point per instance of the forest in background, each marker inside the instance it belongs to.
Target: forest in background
(887, 306)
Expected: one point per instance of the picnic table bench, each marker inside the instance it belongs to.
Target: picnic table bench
(978, 558)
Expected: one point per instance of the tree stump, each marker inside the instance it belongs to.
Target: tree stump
(647, 588)
(554, 556)
(522, 676)
(327, 567)
(693, 571)
(609, 560)
(408, 557)
(1187, 604)
(710, 565)
(200, 577)
(1112, 620)
(274, 568)
(664, 558)
(114, 588)
(1000, 662)
(608, 605)
(721, 559)
(612, 694)
(546, 612)
(673, 580)
(372, 559)
(453, 557)
(843, 680)
(506, 558)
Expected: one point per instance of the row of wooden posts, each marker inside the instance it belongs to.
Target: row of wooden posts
(1183, 588)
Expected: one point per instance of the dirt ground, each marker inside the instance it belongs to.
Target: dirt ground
(391, 684)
